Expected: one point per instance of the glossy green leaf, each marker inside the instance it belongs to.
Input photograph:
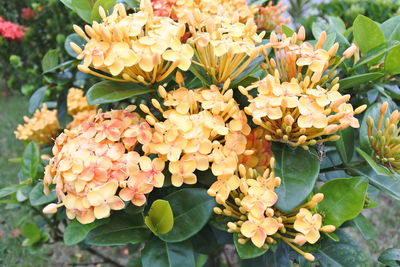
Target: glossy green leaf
(37, 196)
(337, 23)
(377, 52)
(158, 253)
(30, 161)
(67, 3)
(10, 189)
(390, 257)
(248, 250)
(74, 38)
(160, 219)
(392, 62)
(365, 227)
(83, 9)
(389, 26)
(343, 199)
(345, 145)
(106, 4)
(201, 74)
(120, 230)
(379, 169)
(344, 253)
(367, 33)
(192, 207)
(355, 80)
(36, 99)
(287, 31)
(298, 170)
(50, 60)
(75, 232)
(32, 233)
(110, 91)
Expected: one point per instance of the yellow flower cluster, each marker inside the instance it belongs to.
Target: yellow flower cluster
(270, 17)
(41, 128)
(198, 127)
(93, 160)
(78, 107)
(251, 199)
(138, 47)
(299, 100)
(384, 138)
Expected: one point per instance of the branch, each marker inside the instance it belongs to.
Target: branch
(105, 258)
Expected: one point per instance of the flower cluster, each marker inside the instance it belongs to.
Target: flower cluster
(27, 13)
(92, 161)
(78, 107)
(138, 47)
(250, 202)
(11, 31)
(384, 138)
(41, 128)
(299, 100)
(164, 8)
(198, 127)
(270, 17)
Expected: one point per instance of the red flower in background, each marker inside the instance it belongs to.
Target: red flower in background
(27, 13)
(11, 31)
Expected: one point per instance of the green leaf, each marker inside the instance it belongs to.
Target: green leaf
(158, 253)
(379, 169)
(390, 257)
(110, 91)
(106, 4)
(377, 52)
(36, 99)
(31, 232)
(50, 60)
(355, 80)
(389, 26)
(83, 9)
(68, 3)
(201, 74)
(37, 196)
(392, 62)
(10, 189)
(298, 170)
(345, 145)
(343, 199)
(135, 4)
(160, 219)
(74, 38)
(120, 230)
(75, 232)
(365, 227)
(318, 27)
(192, 207)
(337, 23)
(287, 31)
(367, 33)
(248, 250)
(30, 161)
(201, 260)
(344, 253)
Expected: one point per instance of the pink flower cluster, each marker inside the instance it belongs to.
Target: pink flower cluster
(27, 13)
(11, 31)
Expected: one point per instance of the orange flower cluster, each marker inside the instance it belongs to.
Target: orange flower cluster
(270, 17)
(78, 107)
(299, 99)
(138, 47)
(198, 127)
(92, 161)
(250, 201)
(41, 128)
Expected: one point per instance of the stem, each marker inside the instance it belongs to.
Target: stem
(343, 166)
(105, 258)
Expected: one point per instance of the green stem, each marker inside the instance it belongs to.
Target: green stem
(343, 166)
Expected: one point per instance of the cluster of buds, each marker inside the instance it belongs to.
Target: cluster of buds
(93, 161)
(384, 139)
(299, 100)
(41, 128)
(223, 47)
(251, 203)
(138, 47)
(198, 127)
(78, 107)
(270, 17)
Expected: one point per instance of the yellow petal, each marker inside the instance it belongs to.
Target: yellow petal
(102, 211)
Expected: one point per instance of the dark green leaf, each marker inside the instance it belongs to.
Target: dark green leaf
(201, 74)
(367, 34)
(74, 38)
(298, 170)
(205, 241)
(120, 230)
(110, 91)
(377, 52)
(50, 60)
(31, 232)
(355, 80)
(83, 9)
(365, 227)
(37, 196)
(192, 207)
(343, 199)
(248, 250)
(390, 257)
(160, 219)
(106, 4)
(345, 145)
(62, 111)
(75, 232)
(36, 99)
(379, 169)
(158, 253)
(30, 161)
(201, 260)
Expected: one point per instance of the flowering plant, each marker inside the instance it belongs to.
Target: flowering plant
(204, 133)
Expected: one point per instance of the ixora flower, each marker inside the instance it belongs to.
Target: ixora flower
(250, 201)
(93, 161)
(41, 128)
(198, 127)
(138, 47)
(11, 31)
(78, 108)
(299, 100)
(384, 138)
(270, 17)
